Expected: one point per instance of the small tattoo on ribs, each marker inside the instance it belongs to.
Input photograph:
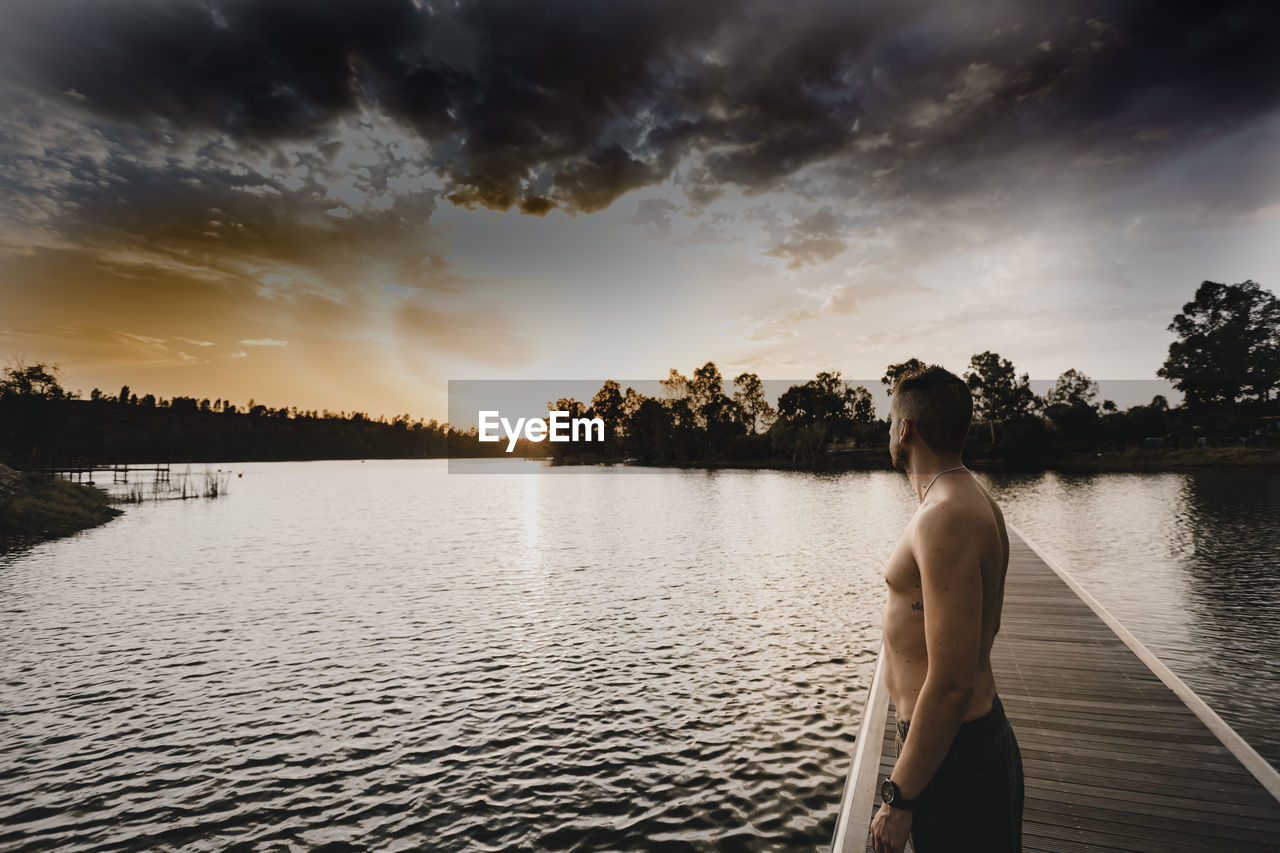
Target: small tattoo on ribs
(916, 605)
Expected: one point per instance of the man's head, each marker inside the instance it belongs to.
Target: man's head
(932, 406)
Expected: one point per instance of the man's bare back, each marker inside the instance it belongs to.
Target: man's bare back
(906, 659)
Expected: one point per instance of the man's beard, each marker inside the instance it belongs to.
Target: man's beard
(900, 460)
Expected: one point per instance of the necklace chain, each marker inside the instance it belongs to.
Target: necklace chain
(935, 479)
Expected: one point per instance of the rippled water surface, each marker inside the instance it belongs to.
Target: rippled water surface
(384, 654)
(343, 655)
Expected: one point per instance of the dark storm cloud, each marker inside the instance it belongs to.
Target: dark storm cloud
(572, 103)
(256, 71)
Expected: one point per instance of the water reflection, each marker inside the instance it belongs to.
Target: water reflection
(1232, 523)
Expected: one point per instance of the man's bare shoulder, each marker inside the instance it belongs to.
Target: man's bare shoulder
(953, 525)
(953, 515)
(992, 502)
(944, 524)
(997, 514)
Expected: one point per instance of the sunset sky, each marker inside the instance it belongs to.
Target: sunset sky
(345, 205)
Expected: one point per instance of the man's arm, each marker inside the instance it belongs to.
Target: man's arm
(948, 554)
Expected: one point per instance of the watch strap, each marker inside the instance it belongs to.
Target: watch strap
(891, 796)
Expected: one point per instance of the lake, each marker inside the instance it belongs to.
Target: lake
(342, 654)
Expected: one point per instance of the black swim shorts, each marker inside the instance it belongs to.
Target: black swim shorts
(974, 801)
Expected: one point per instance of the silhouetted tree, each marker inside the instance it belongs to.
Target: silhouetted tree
(1073, 388)
(808, 403)
(1071, 409)
(862, 409)
(32, 380)
(1143, 422)
(749, 395)
(1228, 345)
(652, 432)
(799, 443)
(894, 372)
(675, 385)
(826, 400)
(631, 402)
(705, 388)
(570, 405)
(723, 422)
(999, 394)
(607, 405)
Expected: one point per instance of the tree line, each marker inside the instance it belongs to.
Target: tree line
(1225, 362)
(43, 425)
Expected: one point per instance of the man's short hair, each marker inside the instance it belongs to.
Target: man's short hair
(939, 404)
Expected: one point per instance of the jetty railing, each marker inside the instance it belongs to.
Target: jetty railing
(859, 795)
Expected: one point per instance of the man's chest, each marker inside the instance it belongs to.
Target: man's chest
(901, 572)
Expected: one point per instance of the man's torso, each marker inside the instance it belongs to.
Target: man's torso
(906, 659)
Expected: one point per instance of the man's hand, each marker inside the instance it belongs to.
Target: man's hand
(889, 830)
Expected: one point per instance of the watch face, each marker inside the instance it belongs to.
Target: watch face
(886, 791)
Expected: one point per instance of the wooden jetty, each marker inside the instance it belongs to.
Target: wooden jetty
(1118, 753)
(77, 470)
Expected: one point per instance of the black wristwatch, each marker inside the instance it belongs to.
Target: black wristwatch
(891, 796)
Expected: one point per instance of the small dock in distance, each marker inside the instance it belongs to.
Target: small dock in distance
(77, 470)
(1118, 753)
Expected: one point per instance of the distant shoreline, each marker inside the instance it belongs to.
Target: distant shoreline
(1172, 459)
(1132, 460)
(35, 507)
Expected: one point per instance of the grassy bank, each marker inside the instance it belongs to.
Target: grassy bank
(1170, 459)
(35, 507)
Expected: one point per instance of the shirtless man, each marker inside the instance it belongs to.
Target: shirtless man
(957, 784)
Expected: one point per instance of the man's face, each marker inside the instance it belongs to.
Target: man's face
(896, 453)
